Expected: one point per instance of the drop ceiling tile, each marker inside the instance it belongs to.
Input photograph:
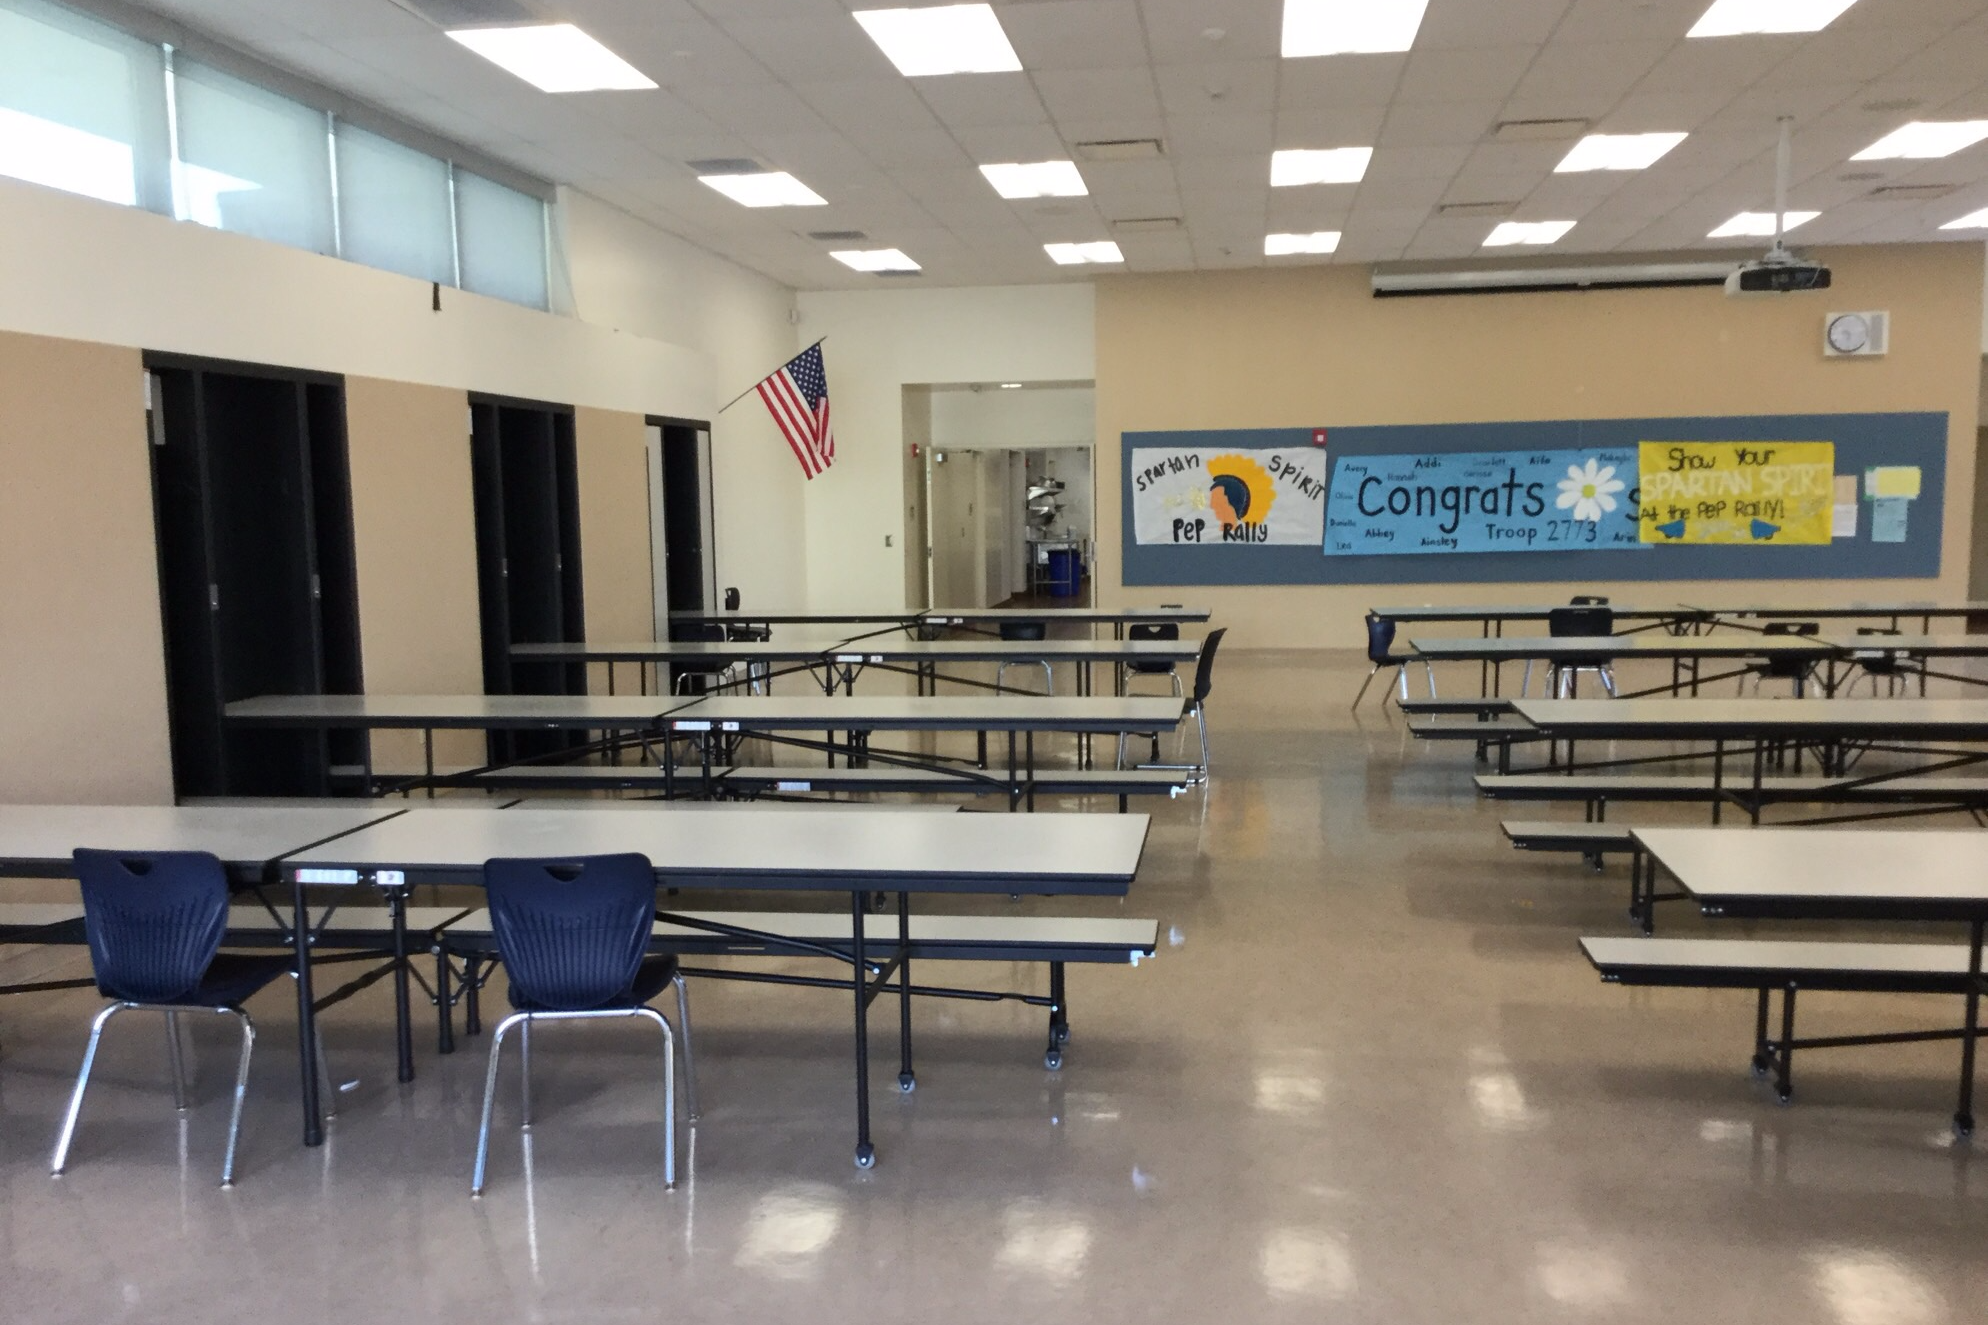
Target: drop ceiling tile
(1098, 94)
(1229, 87)
(1478, 74)
(1597, 68)
(1128, 177)
(1420, 163)
(1227, 136)
(1589, 21)
(1330, 126)
(1443, 124)
(899, 150)
(1075, 34)
(1339, 80)
(1186, 31)
(982, 99)
(859, 107)
(827, 48)
(994, 144)
(768, 108)
(1660, 112)
(1474, 23)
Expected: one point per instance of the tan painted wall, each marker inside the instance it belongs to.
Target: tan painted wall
(614, 529)
(82, 658)
(414, 531)
(1302, 347)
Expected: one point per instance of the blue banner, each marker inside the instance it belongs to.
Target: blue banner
(1483, 501)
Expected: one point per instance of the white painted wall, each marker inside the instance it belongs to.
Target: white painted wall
(87, 270)
(629, 276)
(1028, 419)
(880, 341)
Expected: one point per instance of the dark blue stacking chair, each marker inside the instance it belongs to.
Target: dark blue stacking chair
(574, 939)
(1380, 653)
(1026, 631)
(155, 922)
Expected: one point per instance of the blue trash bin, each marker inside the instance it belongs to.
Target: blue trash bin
(1066, 572)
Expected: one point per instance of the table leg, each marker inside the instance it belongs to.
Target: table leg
(866, 1154)
(403, 1019)
(1014, 777)
(446, 1032)
(1963, 1118)
(1030, 759)
(1718, 779)
(907, 1080)
(307, 1022)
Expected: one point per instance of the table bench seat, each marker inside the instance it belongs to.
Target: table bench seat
(1500, 727)
(1588, 839)
(1699, 787)
(1470, 706)
(875, 778)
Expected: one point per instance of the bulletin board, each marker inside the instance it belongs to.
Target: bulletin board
(1783, 496)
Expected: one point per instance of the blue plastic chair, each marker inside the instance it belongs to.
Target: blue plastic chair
(1027, 632)
(155, 921)
(574, 939)
(1380, 653)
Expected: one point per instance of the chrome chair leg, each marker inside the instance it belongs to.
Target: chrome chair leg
(241, 1094)
(176, 1061)
(525, 1074)
(60, 1159)
(669, 1093)
(1429, 672)
(490, 1099)
(1372, 672)
(1607, 676)
(1201, 720)
(1525, 686)
(689, 1061)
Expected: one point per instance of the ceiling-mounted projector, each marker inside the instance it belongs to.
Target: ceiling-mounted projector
(1780, 272)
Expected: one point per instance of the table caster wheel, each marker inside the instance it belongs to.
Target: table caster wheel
(906, 1083)
(1783, 1095)
(1963, 1125)
(1759, 1066)
(1053, 1060)
(866, 1156)
(1061, 1034)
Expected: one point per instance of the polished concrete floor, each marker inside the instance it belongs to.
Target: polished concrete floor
(1368, 1078)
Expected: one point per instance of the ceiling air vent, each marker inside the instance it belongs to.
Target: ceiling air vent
(1537, 131)
(1146, 225)
(1467, 209)
(1910, 192)
(898, 275)
(726, 165)
(1120, 149)
(837, 236)
(469, 13)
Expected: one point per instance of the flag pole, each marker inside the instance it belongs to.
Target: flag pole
(756, 385)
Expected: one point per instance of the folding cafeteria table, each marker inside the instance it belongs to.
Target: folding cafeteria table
(1925, 727)
(857, 852)
(1866, 875)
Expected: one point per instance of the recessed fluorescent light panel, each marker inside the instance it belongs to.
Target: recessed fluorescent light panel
(1738, 18)
(950, 39)
(1350, 27)
(1617, 151)
(554, 57)
(875, 259)
(1284, 246)
(1527, 232)
(1334, 165)
(1924, 140)
(1972, 221)
(1037, 179)
(769, 188)
(1072, 255)
(1760, 225)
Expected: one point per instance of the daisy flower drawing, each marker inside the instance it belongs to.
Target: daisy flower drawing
(1590, 490)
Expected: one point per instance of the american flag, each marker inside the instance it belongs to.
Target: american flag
(797, 396)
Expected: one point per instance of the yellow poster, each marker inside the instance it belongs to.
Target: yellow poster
(1766, 493)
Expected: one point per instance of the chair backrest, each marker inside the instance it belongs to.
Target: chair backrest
(1024, 630)
(154, 920)
(731, 600)
(1152, 630)
(694, 632)
(1380, 639)
(1580, 622)
(1792, 628)
(572, 932)
(1588, 600)
(1204, 671)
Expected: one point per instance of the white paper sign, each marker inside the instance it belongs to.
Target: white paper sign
(1188, 497)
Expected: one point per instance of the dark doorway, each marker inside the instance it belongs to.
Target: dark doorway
(526, 471)
(688, 575)
(252, 504)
